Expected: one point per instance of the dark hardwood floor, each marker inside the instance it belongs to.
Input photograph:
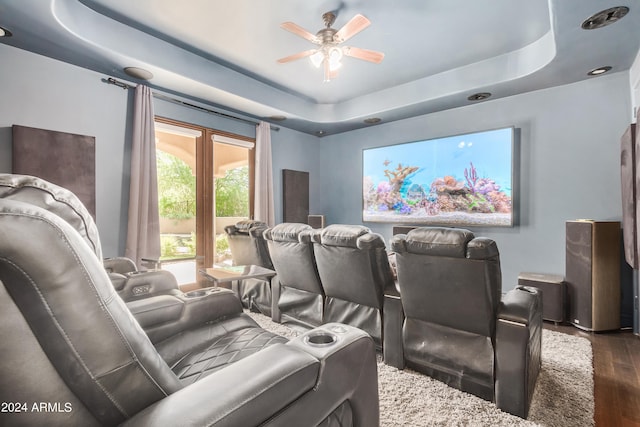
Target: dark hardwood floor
(616, 366)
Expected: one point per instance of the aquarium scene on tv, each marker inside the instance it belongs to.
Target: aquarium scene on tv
(462, 180)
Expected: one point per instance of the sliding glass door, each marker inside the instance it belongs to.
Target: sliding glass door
(232, 175)
(204, 184)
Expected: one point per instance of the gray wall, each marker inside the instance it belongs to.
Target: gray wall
(44, 93)
(569, 150)
(569, 168)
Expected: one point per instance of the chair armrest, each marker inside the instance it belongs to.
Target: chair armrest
(293, 384)
(518, 346)
(143, 284)
(119, 265)
(276, 288)
(521, 305)
(246, 393)
(152, 263)
(156, 310)
(160, 318)
(393, 349)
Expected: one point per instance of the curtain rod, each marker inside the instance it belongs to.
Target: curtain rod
(123, 85)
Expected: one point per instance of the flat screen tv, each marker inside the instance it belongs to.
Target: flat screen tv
(462, 180)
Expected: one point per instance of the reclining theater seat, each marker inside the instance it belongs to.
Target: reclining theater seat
(248, 247)
(296, 289)
(354, 271)
(66, 337)
(456, 329)
(128, 281)
(196, 333)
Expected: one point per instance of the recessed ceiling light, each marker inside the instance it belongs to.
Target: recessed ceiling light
(277, 118)
(372, 120)
(138, 73)
(479, 96)
(605, 17)
(599, 70)
(320, 133)
(5, 33)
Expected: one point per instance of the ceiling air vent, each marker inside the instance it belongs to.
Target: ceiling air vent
(605, 17)
(479, 96)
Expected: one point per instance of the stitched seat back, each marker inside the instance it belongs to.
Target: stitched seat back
(301, 294)
(64, 328)
(291, 250)
(450, 286)
(247, 244)
(354, 270)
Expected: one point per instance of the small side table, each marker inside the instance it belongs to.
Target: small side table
(233, 274)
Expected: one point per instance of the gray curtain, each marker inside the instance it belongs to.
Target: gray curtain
(143, 232)
(263, 202)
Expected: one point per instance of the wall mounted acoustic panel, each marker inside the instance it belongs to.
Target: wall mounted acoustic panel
(592, 274)
(295, 196)
(629, 152)
(628, 173)
(65, 159)
(316, 221)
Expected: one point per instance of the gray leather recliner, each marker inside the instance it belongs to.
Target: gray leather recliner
(354, 270)
(298, 296)
(68, 340)
(130, 283)
(196, 333)
(451, 322)
(248, 247)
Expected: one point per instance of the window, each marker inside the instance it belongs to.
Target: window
(204, 184)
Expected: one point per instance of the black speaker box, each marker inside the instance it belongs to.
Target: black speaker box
(593, 274)
(553, 289)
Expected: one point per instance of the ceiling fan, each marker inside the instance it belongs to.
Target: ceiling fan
(328, 54)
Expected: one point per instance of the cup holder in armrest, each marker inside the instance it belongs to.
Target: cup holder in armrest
(320, 339)
(195, 294)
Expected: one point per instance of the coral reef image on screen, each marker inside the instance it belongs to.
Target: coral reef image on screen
(463, 180)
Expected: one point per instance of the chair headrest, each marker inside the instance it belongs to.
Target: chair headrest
(353, 236)
(246, 227)
(440, 241)
(286, 232)
(248, 224)
(53, 198)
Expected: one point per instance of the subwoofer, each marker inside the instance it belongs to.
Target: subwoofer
(592, 274)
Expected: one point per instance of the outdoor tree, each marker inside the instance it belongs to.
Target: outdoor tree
(232, 193)
(176, 187)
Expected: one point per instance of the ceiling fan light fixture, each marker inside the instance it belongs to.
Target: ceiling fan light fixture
(335, 55)
(317, 58)
(328, 54)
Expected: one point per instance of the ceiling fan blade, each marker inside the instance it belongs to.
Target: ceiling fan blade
(299, 31)
(297, 56)
(364, 54)
(351, 28)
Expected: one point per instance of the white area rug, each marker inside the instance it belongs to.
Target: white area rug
(563, 395)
